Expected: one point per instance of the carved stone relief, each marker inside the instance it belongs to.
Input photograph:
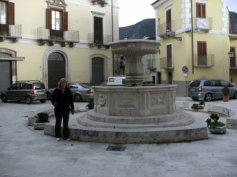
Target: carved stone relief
(102, 100)
(56, 4)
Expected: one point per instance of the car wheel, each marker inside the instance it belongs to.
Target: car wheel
(43, 100)
(78, 97)
(235, 95)
(4, 98)
(28, 100)
(208, 97)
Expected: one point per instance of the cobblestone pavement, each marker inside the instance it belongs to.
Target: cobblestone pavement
(25, 152)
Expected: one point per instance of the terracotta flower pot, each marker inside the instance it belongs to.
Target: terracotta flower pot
(226, 98)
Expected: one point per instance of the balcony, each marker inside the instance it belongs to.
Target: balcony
(12, 32)
(100, 41)
(166, 63)
(63, 37)
(233, 65)
(100, 2)
(204, 61)
(166, 30)
(202, 24)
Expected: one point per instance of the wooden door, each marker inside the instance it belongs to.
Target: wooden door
(56, 69)
(168, 20)
(202, 53)
(98, 30)
(169, 56)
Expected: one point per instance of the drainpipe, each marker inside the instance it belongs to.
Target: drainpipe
(112, 14)
(192, 36)
(112, 22)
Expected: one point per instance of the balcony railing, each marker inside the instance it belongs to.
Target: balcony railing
(13, 32)
(93, 41)
(166, 29)
(70, 37)
(204, 61)
(166, 63)
(202, 24)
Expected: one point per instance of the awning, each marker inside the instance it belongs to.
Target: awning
(12, 58)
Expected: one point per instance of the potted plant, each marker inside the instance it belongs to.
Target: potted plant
(202, 102)
(196, 107)
(226, 92)
(215, 126)
(90, 105)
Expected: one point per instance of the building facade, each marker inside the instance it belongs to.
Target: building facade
(195, 43)
(49, 39)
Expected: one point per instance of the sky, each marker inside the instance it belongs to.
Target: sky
(142, 9)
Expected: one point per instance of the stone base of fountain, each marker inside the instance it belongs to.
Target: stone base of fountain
(144, 114)
(161, 129)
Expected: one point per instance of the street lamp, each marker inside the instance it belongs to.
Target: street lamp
(231, 55)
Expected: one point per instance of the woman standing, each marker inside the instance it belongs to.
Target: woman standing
(62, 101)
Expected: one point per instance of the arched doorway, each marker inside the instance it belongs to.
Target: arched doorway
(5, 71)
(97, 70)
(56, 69)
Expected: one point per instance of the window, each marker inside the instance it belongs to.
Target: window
(168, 20)
(207, 83)
(3, 12)
(56, 20)
(200, 10)
(195, 83)
(225, 83)
(202, 53)
(98, 30)
(169, 55)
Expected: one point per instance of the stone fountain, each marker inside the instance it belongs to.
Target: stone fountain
(134, 113)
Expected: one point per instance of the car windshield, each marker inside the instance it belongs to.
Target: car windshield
(85, 85)
(39, 86)
(195, 83)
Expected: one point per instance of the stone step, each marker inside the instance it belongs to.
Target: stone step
(97, 117)
(184, 121)
(195, 131)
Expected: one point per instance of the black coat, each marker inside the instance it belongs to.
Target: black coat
(63, 102)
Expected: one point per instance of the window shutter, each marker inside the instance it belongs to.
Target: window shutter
(11, 13)
(168, 19)
(98, 30)
(48, 19)
(203, 10)
(169, 55)
(198, 10)
(202, 53)
(65, 21)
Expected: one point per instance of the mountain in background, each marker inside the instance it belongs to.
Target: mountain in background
(147, 28)
(139, 30)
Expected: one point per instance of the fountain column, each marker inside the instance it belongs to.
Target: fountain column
(134, 50)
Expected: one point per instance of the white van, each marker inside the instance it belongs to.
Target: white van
(116, 80)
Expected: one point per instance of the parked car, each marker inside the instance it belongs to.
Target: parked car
(114, 81)
(81, 91)
(209, 89)
(27, 91)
